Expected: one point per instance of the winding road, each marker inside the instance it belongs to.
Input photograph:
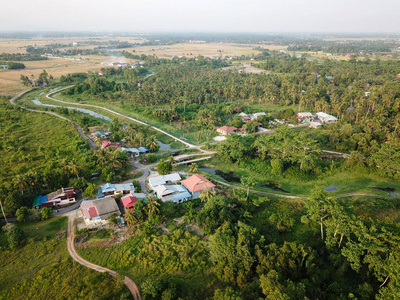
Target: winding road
(71, 249)
(49, 96)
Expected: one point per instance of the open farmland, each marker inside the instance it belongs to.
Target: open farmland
(206, 49)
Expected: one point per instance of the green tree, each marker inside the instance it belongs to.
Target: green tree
(206, 195)
(164, 167)
(23, 214)
(152, 143)
(153, 206)
(91, 190)
(45, 213)
(14, 235)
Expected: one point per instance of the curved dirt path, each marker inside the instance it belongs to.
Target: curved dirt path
(49, 96)
(80, 131)
(71, 249)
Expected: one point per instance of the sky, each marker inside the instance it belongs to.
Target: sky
(361, 16)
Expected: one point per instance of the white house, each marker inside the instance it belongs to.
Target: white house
(163, 179)
(172, 192)
(326, 118)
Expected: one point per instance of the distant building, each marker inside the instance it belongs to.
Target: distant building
(326, 118)
(225, 130)
(133, 152)
(304, 117)
(315, 125)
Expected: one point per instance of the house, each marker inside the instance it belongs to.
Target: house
(96, 211)
(143, 150)
(196, 184)
(128, 202)
(326, 118)
(61, 197)
(172, 192)
(163, 179)
(245, 117)
(102, 72)
(115, 189)
(119, 64)
(103, 135)
(304, 117)
(315, 125)
(256, 115)
(224, 130)
(133, 152)
(108, 143)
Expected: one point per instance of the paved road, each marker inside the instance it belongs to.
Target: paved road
(71, 249)
(80, 131)
(49, 96)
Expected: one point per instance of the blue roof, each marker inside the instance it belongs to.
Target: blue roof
(143, 149)
(39, 200)
(180, 196)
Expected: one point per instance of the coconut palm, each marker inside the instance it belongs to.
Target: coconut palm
(102, 156)
(130, 218)
(152, 205)
(72, 167)
(21, 183)
(193, 168)
(151, 143)
(206, 195)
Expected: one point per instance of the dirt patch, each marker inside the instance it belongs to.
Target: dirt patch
(246, 69)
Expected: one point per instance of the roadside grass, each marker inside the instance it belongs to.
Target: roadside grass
(149, 254)
(99, 235)
(344, 181)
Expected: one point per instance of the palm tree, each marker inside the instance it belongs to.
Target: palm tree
(72, 167)
(115, 159)
(130, 218)
(151, 143)
(206, 195)
(21, 183)
(193, 168)
(102, 156)
(152, 205)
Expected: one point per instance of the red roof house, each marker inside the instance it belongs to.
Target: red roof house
(227, 130)
(108, 143)
(89, 210)
(197, 183)
(129, 202)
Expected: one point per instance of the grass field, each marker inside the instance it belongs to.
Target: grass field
(41, 268)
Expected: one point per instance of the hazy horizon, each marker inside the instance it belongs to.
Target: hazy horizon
(204, 16)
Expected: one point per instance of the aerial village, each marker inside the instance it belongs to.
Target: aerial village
(119, 198)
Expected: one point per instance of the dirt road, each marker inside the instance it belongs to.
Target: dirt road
(71, 249)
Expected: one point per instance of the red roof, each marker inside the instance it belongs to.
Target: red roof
(108, 143)
(227, 129)
(129, 201)
(89, 210)
(196, 183)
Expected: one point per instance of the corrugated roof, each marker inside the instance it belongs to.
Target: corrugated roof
(196, 183)
(159, 180)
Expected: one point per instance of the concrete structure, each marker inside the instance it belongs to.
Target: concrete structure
(115, 189)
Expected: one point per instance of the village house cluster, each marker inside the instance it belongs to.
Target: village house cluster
(315, 120)
(166, 187)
